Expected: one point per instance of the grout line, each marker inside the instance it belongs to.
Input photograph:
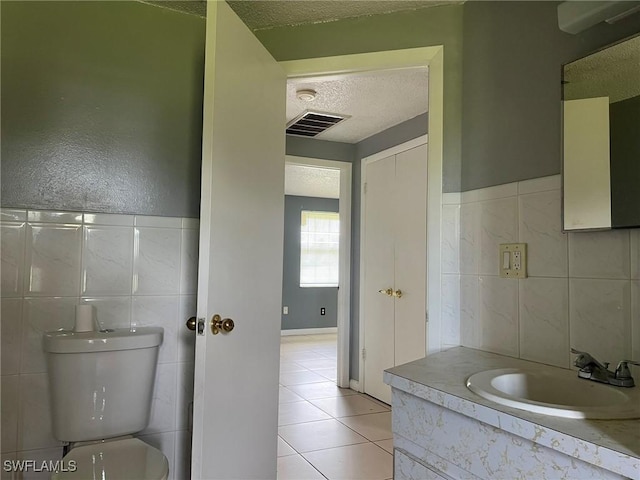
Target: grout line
(331, 417)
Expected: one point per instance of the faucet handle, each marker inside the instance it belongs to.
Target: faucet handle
(622, 371)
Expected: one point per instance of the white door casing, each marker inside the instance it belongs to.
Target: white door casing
(240, 264)
(432, 57)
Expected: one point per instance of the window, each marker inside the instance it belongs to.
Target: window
(319, 240)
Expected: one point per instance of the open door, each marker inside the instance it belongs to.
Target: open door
(240, 267)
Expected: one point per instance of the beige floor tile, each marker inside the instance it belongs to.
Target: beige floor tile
(299, 412)
(297, 356)
(329, 373)
(365, 461)
(287, 367)
(375, 427)
(348, 405)
(386, 444)
(284, 449)
(307, 437)
(294, 467)
(299, 378)
(313, 391)
(287, 396)
(318, 363)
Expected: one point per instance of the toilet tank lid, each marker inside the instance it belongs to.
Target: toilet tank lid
(65, 341)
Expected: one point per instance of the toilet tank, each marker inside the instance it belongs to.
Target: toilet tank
(101, 383)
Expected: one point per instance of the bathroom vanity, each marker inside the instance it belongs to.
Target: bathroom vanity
(442, 430)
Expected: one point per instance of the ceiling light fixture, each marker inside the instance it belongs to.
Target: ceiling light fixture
(306, 95)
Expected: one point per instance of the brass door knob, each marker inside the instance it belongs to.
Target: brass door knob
(397, 294)
(191, 323)
(388, 292)
(219, 325)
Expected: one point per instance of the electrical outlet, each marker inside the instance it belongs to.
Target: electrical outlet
(285, 310)
(323, 311)
(513, 260)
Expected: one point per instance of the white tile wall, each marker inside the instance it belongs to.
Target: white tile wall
(544, 320)
(540, 228)
(600, 317)
(499, 315)
(107, 259)
(9, 419)
(469, 311)
(156, 260)
(136, 270)
(498, 224)
(469, 238)
(450, 309)
(12, 268)
(450, 239)
(11, 334)
(53, 260)
(582, 290)
(599, 255)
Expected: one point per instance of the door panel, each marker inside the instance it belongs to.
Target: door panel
(410, 216)
(378, 275)
(240, 266)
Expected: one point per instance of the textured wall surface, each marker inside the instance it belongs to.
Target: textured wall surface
(101, 108)
(304, 303)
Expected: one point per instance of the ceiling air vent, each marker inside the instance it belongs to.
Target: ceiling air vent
(310, 124)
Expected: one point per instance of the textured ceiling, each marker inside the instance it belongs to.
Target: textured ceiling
(262, 14)
(375, 101)
(612, 72)
(308, 181)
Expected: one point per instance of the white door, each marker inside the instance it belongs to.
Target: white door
(378, 273)
(394, 265)
(411, 255)
(240, 267)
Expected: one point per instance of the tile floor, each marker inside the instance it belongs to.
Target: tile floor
(326, 432)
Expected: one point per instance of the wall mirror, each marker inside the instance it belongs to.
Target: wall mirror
(601, 139)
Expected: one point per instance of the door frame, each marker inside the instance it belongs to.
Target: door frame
(433, 58)
(344, 276)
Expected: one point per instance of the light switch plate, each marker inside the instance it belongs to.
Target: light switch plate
(513, 260)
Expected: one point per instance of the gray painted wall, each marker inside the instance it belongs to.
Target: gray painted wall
(401, 133)
(512, 62)
(101, 107)
(304, 303)
(312, 147)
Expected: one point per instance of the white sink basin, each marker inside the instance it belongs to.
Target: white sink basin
(556, 392)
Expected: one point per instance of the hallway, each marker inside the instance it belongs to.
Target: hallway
(325, 432)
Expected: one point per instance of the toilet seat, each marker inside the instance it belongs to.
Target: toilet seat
(128, 459)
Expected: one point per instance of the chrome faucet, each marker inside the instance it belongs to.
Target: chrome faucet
(592, 369)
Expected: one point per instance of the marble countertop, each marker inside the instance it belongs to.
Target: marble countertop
(441, 379)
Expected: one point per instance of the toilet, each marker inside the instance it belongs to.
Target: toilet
(101, 385)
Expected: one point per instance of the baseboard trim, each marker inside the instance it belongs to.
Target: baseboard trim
(354, 385)
(308, 331)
